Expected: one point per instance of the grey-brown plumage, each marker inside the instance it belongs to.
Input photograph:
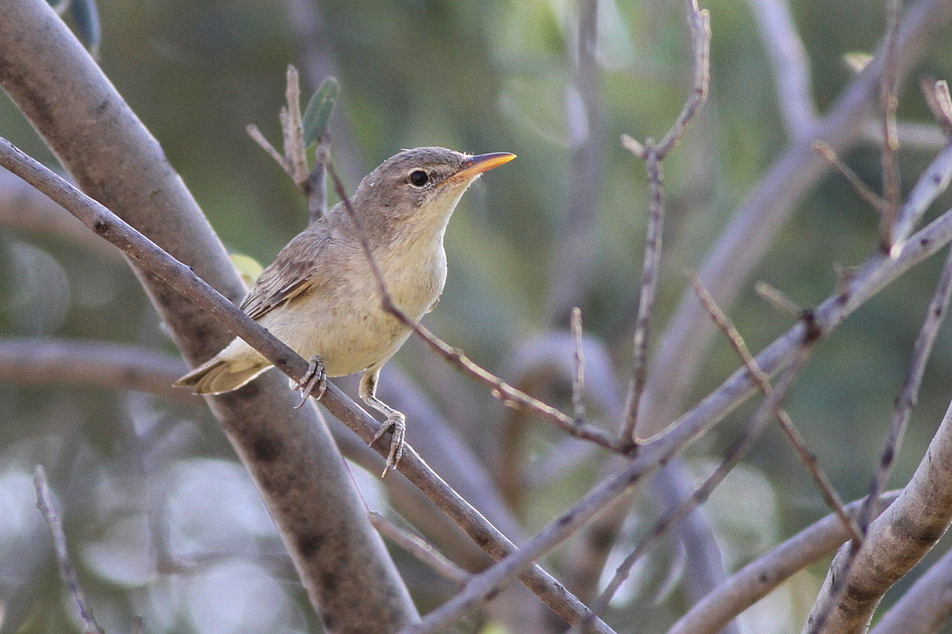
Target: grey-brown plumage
(320, 295)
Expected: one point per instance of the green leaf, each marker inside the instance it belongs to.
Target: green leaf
(319, 109)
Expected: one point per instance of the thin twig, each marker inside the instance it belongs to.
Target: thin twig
(44, 502)
(315, 189)
(260, 139)
(294, 148)
(510, 396)
(932, 182)
(809, 460)
(873, 199)
(653, 154)
(888, 101)
(650, 270)
(939, 101)
(578, 361)
(778, 299)
(419, 548)
(700, 24)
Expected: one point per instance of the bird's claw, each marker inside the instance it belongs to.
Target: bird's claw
(396, 423)
(314, 381)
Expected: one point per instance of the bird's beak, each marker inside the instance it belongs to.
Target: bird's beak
(476, 165)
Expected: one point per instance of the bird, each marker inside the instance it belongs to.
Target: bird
(322, 297)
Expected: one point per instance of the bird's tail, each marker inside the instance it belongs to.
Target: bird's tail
(219, 374)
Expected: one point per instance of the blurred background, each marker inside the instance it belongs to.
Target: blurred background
(141, 477)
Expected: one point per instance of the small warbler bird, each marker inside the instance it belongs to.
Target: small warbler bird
(320, 295)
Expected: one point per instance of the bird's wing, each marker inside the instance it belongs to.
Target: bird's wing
(291, 273)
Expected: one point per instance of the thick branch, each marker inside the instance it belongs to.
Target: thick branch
(290, 454)
(761, 576)
(100, 363)
(897, 540)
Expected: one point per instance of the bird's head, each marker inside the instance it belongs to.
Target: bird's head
(421, 186)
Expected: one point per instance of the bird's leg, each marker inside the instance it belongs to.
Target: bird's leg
(395, 422)
(314, 381)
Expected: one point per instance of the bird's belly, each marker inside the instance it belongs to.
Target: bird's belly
(349, 336)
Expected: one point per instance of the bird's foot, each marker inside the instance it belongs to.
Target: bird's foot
(396, 422)
(314, 381)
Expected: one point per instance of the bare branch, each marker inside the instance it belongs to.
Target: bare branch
(830, 496)
(768, 409)
(419, 548)
(896, 541)
(74, 362)
(932, 182)
(294, 148)
(887, 103)
(790, 64)
(578, 360)
(758, 578)
(777, 299)
(649, 290)
(904, 405)
(939, 101)
(44, 502)
(925, 607)
(873, 199)
(911, 134)
(700, 23)
(260, 139)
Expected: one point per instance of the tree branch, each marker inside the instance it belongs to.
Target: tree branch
(761, 576)
(74, 362)
(290, 454)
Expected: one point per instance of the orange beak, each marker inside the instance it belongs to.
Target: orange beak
(476, 165)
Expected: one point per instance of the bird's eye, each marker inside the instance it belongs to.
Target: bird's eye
(419, 178)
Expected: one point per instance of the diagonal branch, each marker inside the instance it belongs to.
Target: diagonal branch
(761, 576)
